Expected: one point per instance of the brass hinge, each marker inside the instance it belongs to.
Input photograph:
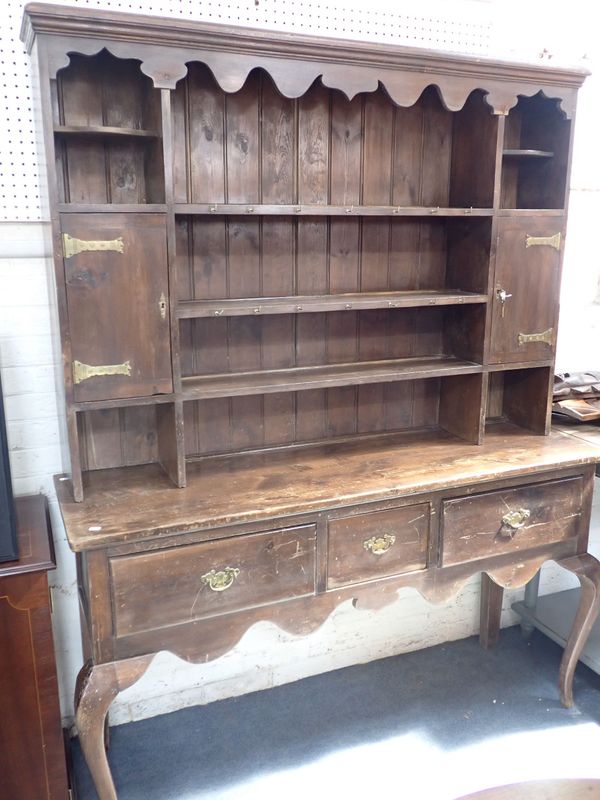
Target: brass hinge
(50, 600)
(72, 246)
(550, 241)
(545, 337)
(81, 372)
(162, 305)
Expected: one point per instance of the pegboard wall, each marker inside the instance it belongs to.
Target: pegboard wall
(463, 28)
(477, 27)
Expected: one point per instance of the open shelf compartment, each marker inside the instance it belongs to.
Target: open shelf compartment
(536, 155)
(107, 128)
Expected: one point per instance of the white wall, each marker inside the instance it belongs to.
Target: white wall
(265, 656)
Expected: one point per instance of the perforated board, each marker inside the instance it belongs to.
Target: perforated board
(465, 26)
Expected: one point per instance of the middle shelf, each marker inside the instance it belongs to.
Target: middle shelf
(305, 304)
(204, 387)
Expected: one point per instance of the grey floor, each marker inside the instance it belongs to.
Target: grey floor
(433, 724)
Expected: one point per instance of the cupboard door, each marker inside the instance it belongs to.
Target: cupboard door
(525, 303)
(117, 304)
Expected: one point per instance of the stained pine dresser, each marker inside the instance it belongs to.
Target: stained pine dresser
(308, 298)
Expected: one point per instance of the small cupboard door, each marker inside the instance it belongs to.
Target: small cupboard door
(525, 303)
(117, 304)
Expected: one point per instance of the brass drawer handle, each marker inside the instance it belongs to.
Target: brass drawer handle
(219, 581)
(513, 521)
(379, 544)
(73, 246)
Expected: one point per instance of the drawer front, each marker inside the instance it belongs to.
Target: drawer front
(510, 520)
(379, 544)
(181, 584)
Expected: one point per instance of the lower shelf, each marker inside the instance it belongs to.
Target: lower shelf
(323, 376)
(554, 615)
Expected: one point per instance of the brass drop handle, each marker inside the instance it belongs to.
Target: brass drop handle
(379, 544)
(221, 580)
(513, 521)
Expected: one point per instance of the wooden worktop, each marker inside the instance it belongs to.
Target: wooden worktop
(140, 502)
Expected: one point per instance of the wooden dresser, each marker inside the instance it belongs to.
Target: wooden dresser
(32, 754)
(308, 294)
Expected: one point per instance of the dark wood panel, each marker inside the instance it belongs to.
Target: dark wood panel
(114, 305)
(31, 740)
(528, 270)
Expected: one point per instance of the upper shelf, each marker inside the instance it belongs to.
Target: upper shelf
(100, 131)
(257, 209)
(305, 304)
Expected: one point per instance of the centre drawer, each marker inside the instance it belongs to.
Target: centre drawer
(181, 584)
(379, 544)
(510, 520)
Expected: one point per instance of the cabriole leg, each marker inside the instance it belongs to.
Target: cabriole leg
(97, 688)
(587, 569)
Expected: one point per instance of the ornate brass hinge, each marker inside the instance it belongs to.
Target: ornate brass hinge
(72, 246)
(550, 241)
(81, 372)
(545, 337)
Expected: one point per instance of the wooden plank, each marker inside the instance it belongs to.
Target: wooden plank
(329, 375)
(307, 209)
(304, 304)
(134, 501)
(312, 258)
(206, 144)
(375, 250)
(437, 149)
(408, 155)
(277, 183)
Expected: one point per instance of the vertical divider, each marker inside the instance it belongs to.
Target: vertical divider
(463, 399)
(169, 418)
(491, 283)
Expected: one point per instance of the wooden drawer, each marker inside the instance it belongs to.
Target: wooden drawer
(379, 544)
(481, 526)
(181, 584)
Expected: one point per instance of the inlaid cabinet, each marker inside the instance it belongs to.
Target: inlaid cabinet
(308, 295)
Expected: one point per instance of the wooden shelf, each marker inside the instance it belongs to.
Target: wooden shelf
(104, 131)
(203, 387)
(305, 304)
(124, 402)
(258, 209)
(527, 154)
(112, 208)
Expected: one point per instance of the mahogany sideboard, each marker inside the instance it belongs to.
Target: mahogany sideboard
(32, 754)
(308, 298)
